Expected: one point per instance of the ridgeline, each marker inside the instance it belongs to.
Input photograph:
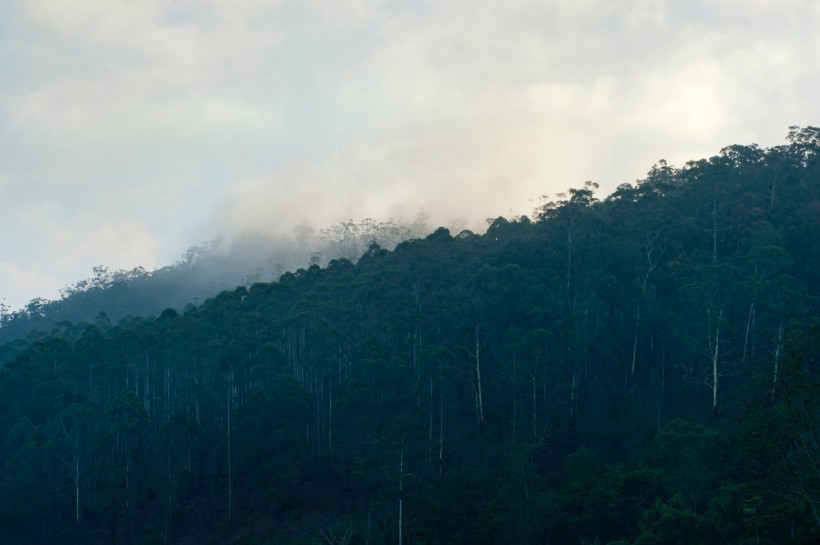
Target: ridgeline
(639, 369)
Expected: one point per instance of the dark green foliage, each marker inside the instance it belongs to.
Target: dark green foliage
(637, 370)
(202, 272)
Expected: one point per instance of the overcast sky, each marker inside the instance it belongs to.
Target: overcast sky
(132, 129)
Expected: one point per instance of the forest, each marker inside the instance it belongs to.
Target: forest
(640, 368)
(203, 271)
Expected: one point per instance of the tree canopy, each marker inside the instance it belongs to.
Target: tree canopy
(635, 369)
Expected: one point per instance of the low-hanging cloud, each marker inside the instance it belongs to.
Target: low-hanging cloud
(134, 129)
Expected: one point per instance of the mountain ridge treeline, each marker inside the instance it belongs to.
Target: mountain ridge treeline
(641, 369)
(201, 272)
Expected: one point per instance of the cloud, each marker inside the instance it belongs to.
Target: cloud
(60, 249)
(171, 121)
(28, 284)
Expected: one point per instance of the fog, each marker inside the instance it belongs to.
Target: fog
(253, 256)
(134, 130)
(203, 271)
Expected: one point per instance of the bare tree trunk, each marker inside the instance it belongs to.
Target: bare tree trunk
(569, 251)
(440, 433)
(330, 416)
(714, 348)
(653, 254)
(514, 400)
(715, 369)
(401, 492)
(748, 328)
(534, 407)
(430, 427)
(230, 471)
(168, 513)
(478, 376)
(651, 244)
(714, 229)
(777, 357)
(774, 187)
(75, 469)
(77, 489)
(663, 365)
(635, 338)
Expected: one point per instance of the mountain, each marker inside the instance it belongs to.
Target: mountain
(202, 272)
(638, 369)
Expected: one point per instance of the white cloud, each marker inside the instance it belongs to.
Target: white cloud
(26, 284)
(137, 123)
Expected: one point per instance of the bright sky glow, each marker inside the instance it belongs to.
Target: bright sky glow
(132, 130)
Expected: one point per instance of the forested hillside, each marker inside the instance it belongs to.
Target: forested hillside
(201, 272)
(641, 369)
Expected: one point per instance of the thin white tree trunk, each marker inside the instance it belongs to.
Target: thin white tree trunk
(748, 328)
(77, 489)
(440, 433)
(478, 376)
(515, 401)
(715, 349)
(430, 427)
(534, 407)
(635, 339)
(777, 357)
(401, 492)
(75, 470)
(230, 471)
(714, 229)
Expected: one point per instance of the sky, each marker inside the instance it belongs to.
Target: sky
(131, 130)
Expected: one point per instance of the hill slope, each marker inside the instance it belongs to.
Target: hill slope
(642, 369)
(202, 272)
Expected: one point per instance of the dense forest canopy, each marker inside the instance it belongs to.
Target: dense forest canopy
(638, 369)
(201, 272)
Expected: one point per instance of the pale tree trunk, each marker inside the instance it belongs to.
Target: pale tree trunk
(332, 538)
(230, 469)
(774, 187)
(440, 434)
(477, 357)
(569, 259)
(777, 358)
(635, 338)
(168, 514)
(714, 229)
(478, 376)
(515, 401)
(401, 492)
(330, 417)
(430, 427)
(653, 255)
(77, 489)
(749, 323)
(714, 349)
(75, 469)
(651, 246)
(534, 407)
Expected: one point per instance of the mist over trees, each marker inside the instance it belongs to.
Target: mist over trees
(203, 271)
(638, 369)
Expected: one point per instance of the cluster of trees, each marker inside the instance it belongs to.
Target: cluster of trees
(643, 369)
(203, 271)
